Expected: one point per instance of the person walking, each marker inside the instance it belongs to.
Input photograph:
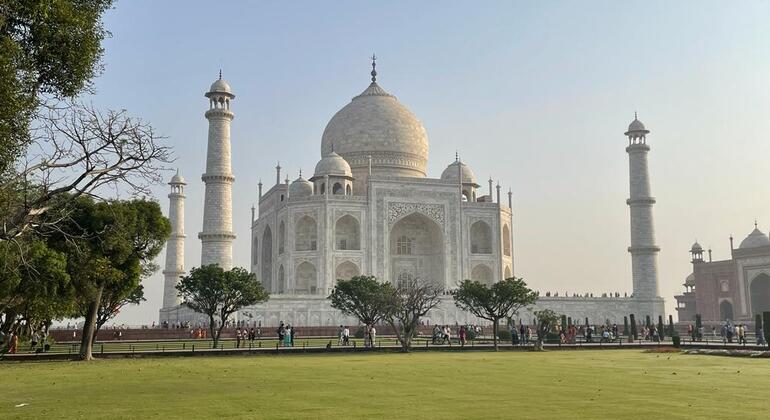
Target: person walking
(238, 338)
(462, 335)
(281, 332)
(345, 336)
(14, 343)
(287, 336)
(372, 336)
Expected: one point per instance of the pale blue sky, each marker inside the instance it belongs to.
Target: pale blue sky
(536, 94)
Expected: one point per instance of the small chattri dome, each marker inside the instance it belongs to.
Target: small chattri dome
(451, 173)
(177, 179)
(332, 164)
(696, 247)
(301, 187)
(636, 127)
(755, 239)
(220, 86)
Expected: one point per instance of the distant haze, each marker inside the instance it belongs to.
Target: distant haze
(537, 95)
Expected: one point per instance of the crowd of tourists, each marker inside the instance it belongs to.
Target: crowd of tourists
(245, 334)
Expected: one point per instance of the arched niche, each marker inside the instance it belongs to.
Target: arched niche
(306, 279)
(267, 258)
(347, 233)
(305, 234)
(481, 238)
(760, 294)
(506, 241)
(482, 274)
(346, 271)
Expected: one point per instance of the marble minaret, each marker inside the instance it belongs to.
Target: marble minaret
(175, 245)
(644, 252)
(217, 235)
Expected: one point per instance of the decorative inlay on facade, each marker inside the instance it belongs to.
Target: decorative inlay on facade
(398, 210)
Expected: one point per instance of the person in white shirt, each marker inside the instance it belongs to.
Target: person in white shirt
(345, 336)
(372, 336)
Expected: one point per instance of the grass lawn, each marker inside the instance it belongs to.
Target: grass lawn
(558, 384)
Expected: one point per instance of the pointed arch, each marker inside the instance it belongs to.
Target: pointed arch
(506, 241)
(726, 311)
(347, 233)
(255, 251)
(508, 273)
(281, 280)
(306, 279)
(346, 271)
(337, 189)
(281, 237)
(482, 273)
(267, 258)
(481, 238)
(306, 234)
(417, 249)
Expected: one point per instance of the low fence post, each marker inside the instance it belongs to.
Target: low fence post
(102, 345)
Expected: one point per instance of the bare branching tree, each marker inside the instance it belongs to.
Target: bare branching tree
(406, 304)
(78, 150)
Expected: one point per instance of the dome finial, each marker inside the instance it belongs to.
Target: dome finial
(374, 70)
(755, 224)
(220, 74)
(635, 117)
(300, 173)
(457, 156)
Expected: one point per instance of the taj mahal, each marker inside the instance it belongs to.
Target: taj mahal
(370, 208)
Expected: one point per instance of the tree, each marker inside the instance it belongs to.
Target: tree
(78, 151)
(362, 297)
(36, 290)
(212, 291)
(546, 319)
(48, 49)
(114, 300)
(500, 301)
(406, 304)
(109, 246)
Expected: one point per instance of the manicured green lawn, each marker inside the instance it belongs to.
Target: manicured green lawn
(617, 384)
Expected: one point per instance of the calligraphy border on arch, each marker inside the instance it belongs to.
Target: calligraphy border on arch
(398, 210)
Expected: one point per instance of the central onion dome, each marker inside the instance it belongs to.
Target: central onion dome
(755, 239)
(375, 124)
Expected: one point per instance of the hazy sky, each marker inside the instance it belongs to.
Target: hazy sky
(535, 95)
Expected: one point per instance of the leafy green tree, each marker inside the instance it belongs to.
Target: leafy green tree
(35, 287)
(362, 297)
(49, 49)
(406, 304)
(109, 246)
(546, 319)
(217, 293)
(499, 301)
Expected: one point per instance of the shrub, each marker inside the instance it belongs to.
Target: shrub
(504, 334)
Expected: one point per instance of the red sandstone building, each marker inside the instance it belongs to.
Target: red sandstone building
(734, 289)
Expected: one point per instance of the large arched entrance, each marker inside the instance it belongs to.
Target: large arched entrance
(267, 258)
(726, 311)
(760, 294)
(417, 250)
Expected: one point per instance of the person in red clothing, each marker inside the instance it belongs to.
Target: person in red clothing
(462, 334)
(14, 344)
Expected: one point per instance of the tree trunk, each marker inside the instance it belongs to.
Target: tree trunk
(212, 330)
(494, 332)
(89, 326)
